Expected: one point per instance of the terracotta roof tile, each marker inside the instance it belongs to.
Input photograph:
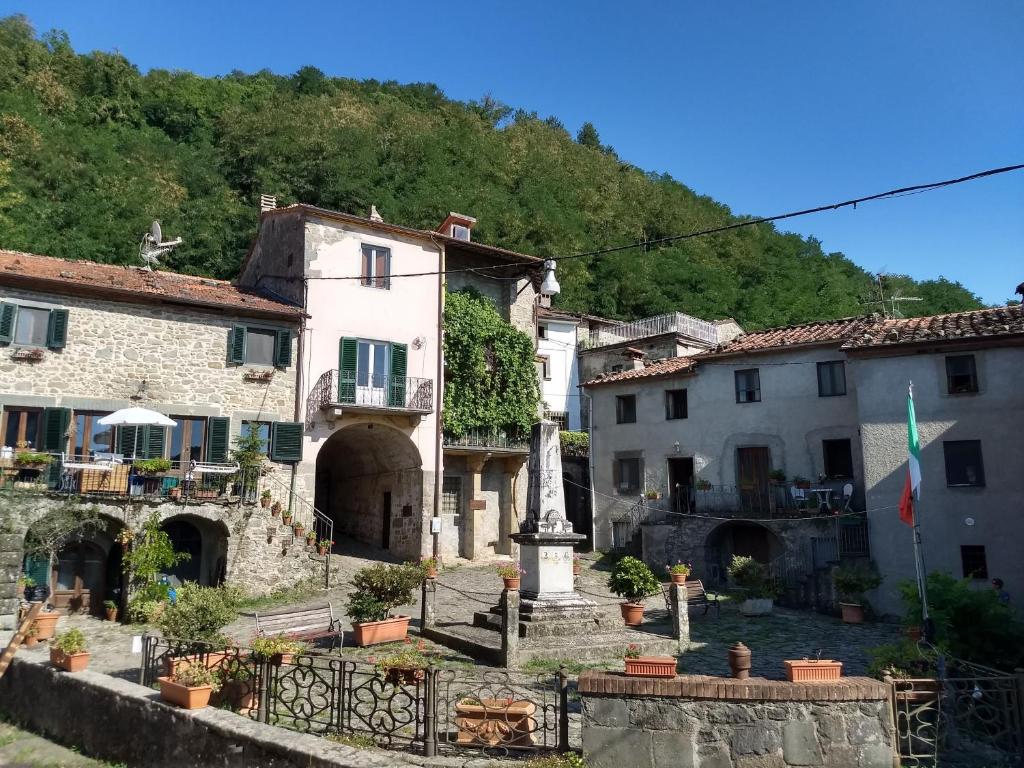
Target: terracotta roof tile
(975, 324)
(133, 284)
(823, 332)
(668, 367)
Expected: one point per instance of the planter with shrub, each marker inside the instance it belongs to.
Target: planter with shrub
(752, 577)
(378, 590)
(69, 651)
(632, 580)
(511, 575)
(276, 649)
(851, 583)
(110, 609)
(190, 687)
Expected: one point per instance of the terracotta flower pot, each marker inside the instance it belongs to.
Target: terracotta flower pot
(577, 568)
(632, 613)
(275, 511)
(496, 722)
(173, 664)
(388, 631)
(321, 550)
(183, 696)
(430, 572)
(111, 614)
(404, 675)
(264, 501)
(678, 578)
(813, 670)
(69, 662)
(31, 641)
(46, 624)
(651, 666)
(286, 518)
(239, 695)
(299, 530)
(853, 613)
(511, 583)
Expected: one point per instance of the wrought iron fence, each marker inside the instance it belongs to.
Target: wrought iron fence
(344, 387)
(502, 439)
(673, 322)
(428, 710)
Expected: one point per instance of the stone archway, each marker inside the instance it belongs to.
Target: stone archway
(369, 480)
(205, 541)
(739, 537)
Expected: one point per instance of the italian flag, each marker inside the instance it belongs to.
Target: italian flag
(913, 481)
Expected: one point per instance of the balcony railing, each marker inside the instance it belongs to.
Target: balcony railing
(353, 388)
(777, 500)
(673, 322)
(498, 439)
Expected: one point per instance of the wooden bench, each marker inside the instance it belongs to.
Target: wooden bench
(313, 623)
(696, 595)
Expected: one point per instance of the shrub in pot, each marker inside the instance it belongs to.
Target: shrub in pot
(632, 580)
(851, 582)
(190, 686)
(511, 574)
(237, 685)
(110, 608)
(200, 613)
(378, 590)
(752, 577)
(277, 649)
(679, 572)
(265, 499)
(406, 667)
(69, 651)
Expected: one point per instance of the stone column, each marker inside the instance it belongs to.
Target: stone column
(510, 628)
(477, 507)
(11, 550)
(680, 617)
(509, 521)
(427, 618)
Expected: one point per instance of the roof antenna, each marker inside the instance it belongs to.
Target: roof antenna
(153, 246)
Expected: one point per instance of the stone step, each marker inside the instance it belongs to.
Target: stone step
(569, 627)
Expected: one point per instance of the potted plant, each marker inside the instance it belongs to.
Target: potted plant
(577, 564)
(407, 667)
(298, 529)
(237, 686)
(323, 546)
(495, 722)
(652, 495)
(151, 467)
(511, 574)
(110, 608)
(69, 651)
(429, 566)
(752, 577)
(265, 499)
(189, 687)
(31, 459)
(275, 510)
(812, 670)
(633, 580)
(174, 493)
(32, 637)
(703, 485)
(277, 649)
(776, 476)
(378, 590)
(801, 482)
(45, 624)
(647, 666)
(24, 581)
(286, 514)
(679, 572)
(851, 583)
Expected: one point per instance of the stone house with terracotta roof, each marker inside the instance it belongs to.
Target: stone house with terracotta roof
(711, 433)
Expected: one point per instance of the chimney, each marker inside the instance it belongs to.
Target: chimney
(634, 358)
(457, 225)
(268, 203)
(375, 214)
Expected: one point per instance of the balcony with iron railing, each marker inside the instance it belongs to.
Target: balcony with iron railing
(673, 322)
(359, 391)
(776, 500)
(492, 439)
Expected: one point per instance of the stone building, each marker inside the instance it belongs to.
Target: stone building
(79, 340)
(711, 435)
(372, 377)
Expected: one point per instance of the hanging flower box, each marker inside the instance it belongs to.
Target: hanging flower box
(812, 670)
(29, 355)
(258, 375)
(650, 666)
(184, 696)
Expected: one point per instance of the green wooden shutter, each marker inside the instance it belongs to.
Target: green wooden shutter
(7, 314)
(126, 440)
(399, 360)
(55, 425)
(218, 433)
(153, 442)
(283, 349)
(236, 345)
(348, 358)
(286, 441)
(57, 329)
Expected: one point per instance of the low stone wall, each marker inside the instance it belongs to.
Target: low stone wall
(712, 722)
(120, 721)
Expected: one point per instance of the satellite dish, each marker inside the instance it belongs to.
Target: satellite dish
(153, 245)
(155, 232)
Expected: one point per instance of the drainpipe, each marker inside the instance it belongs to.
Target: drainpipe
(299, 384)
(590, 463)
(439, 387)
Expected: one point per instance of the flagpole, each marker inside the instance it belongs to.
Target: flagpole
(919, 566)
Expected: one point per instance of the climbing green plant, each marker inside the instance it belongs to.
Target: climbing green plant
(150, 554)
(490, 377)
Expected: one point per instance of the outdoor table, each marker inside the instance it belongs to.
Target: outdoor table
(824, 495)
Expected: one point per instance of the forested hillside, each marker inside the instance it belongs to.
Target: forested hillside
(91, 151)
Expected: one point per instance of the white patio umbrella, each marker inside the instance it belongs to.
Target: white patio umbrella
(137, 417)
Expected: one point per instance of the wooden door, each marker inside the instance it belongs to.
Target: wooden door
(753, 464)
(79, 579)
(680, 483)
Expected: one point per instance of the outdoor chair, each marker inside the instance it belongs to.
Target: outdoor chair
(847, 497)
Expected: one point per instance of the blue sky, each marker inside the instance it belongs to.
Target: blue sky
(766, 107)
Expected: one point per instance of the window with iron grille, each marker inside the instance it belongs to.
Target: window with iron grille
(972, 558)
(625, 409)
(964, 466)
(748, 386)
(451, 496)
(627, 475)
(961, 374)
(560, 418)
(831, 378)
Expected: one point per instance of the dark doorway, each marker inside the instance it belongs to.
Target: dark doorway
(79, 580)
(185, 537)
(753, 464)
(680, 483)
(386, 527)
(738, 538)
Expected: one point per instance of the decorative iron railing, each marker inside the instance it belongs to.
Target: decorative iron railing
(775, 500)
(356, 388)
(673, 322)
(502, 439)
(429, 710)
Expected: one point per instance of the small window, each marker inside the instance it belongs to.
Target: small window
(22, 425)
(259, 346)
(617, 368)
(627, 472)
(261, 428)
(675, 404)
(542, 331)
(30, 327)
(838, 457)
(831, 378)
(460, 232)
(451, 496)
(544, 367)
(961, 375)
(376, 268)
(560, 418)
(963, 463)
(748, 386)
(972, 558)
(91, 437)
(625, 409)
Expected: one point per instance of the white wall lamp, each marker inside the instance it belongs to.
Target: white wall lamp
(550, 286)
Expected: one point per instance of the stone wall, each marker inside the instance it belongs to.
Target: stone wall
(707, 722)
(260, 555)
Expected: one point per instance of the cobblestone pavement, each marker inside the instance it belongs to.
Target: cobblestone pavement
(24, 749)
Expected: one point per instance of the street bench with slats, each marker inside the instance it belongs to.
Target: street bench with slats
(313, 623)
(696, 595)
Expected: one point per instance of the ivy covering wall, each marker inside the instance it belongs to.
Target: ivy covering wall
(490, 375)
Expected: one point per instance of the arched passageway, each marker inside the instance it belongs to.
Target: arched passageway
(206, 543)
(738, 538)
(369, 480)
